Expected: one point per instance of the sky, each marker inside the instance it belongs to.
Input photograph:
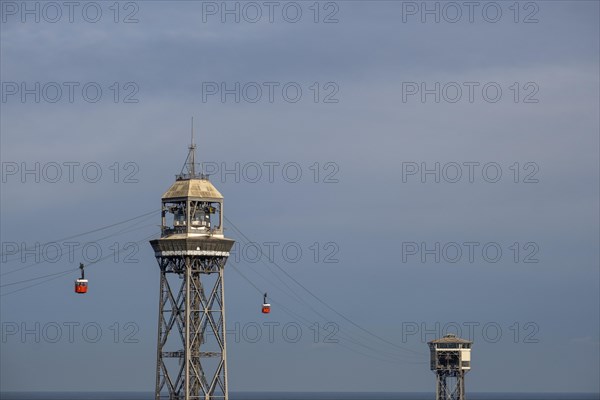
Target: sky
(423, 168)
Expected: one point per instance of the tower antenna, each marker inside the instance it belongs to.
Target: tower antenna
(192, 155)
(188, 171)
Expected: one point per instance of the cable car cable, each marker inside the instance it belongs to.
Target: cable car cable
(347, 336)
(66, 271)
(124, 230)
(335, 311)
(324, 303)
(273, 284)
(62, 273)
(54, 276)
(307, 324)
(296, 315)
(350, 338)
(93, 230)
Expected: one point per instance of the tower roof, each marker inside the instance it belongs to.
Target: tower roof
(450, 338)
(195, 187)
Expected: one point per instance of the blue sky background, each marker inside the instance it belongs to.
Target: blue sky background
(368, 212)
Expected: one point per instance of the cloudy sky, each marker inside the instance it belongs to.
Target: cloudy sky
(422, 168)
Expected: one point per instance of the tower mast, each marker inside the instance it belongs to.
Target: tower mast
(191, 253)
(450, 358)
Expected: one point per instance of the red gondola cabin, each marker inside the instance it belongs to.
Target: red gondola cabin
(81, 286)
(266, 307)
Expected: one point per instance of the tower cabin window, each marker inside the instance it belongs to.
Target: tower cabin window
(447, 346)
(179, 217)
(174, 217)
(204, 215)
(201, 219)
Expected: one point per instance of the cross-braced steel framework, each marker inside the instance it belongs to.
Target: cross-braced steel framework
(191, 355)
(450, 385)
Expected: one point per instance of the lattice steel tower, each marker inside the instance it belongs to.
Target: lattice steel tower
(191, 253)
(450, 360)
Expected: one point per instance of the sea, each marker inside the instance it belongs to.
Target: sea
(297, 396)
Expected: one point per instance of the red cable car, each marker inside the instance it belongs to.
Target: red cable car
(81, 284)
(266, 307)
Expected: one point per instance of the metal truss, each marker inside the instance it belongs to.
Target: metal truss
(450, 384)
(191, 351)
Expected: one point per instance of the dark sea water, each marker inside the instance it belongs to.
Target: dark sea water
(297, 396)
